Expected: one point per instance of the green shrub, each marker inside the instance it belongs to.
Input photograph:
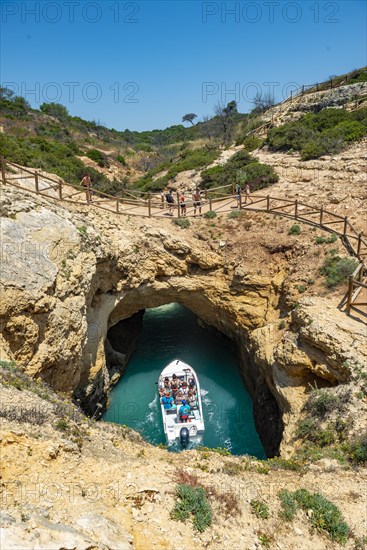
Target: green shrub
(348, 130)
(325, 437)
(265, 539)
(62, 425)
(301, 288)
(192, 502)
(357, 452)
(56, 110)
(51, 156)
(234, 215)
(337, 270)
(295, 229)
(259, 175)
(251, 143)
(187, 160)
(322, 402)
(306, 428)
(82, 230)
(241, 168)
(11, 365)
(184, 223)
(325, 517)
(280, 463)
(232, 468)
(121, 160)
(288, 503)
(314, 135)
(210, 215)
(98, 157)
(259, 508)
(328, 240)
(313, 150)
(143, 147)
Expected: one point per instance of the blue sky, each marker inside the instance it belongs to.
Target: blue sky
(143, 65)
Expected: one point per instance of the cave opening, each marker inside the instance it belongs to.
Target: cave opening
(147, 342)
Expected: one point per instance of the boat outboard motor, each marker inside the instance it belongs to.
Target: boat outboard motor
(184, 437)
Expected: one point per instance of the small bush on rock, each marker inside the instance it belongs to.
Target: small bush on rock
(192, 502)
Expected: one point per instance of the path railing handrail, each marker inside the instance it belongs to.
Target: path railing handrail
(355, 241)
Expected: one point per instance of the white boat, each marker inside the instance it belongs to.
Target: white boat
(174, 428)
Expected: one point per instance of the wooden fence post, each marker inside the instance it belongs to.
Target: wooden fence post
(117, 206)
(295, 209)
(178, 205)
(303, 88)
(321, 215)
(345, 226)
(350, 294)
(60, 190)
(3, 169)
(360, 274)
(149, 205)
(359, 244)
(268, 203)
(210, 204)
(36, 182)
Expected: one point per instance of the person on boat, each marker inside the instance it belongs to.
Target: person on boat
(191, 397)
(179, 397)
(184, 387)
(192, 383)
(175, 381)
(163, 386)
(167, 401)
(174, 390)
(184, 411)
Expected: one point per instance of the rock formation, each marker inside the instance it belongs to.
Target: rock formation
(69, 275)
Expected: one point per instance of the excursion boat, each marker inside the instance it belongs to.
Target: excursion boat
(176, 429)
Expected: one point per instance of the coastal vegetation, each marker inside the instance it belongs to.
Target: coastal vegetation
(315, 134)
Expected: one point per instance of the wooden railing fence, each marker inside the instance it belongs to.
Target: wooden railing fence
(219, 200)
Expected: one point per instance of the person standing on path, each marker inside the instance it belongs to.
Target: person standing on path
(183, 205)
(86, 182)
(247, 193)
(196, 200)
(170, 202)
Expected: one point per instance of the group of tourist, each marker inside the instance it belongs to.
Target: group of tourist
(169, 198)
(170, 201)
(178, 394)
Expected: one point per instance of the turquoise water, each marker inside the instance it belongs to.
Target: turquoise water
(171, 332)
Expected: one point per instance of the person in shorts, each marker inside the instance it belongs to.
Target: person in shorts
(170, 202)
(247, 193)
(183, 205)
(196, 198)
(184, 411)
(87, 183)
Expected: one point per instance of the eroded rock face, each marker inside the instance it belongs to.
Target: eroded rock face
(323, 347)
(91, 271)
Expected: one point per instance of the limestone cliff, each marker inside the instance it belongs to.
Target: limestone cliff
(69, 275)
